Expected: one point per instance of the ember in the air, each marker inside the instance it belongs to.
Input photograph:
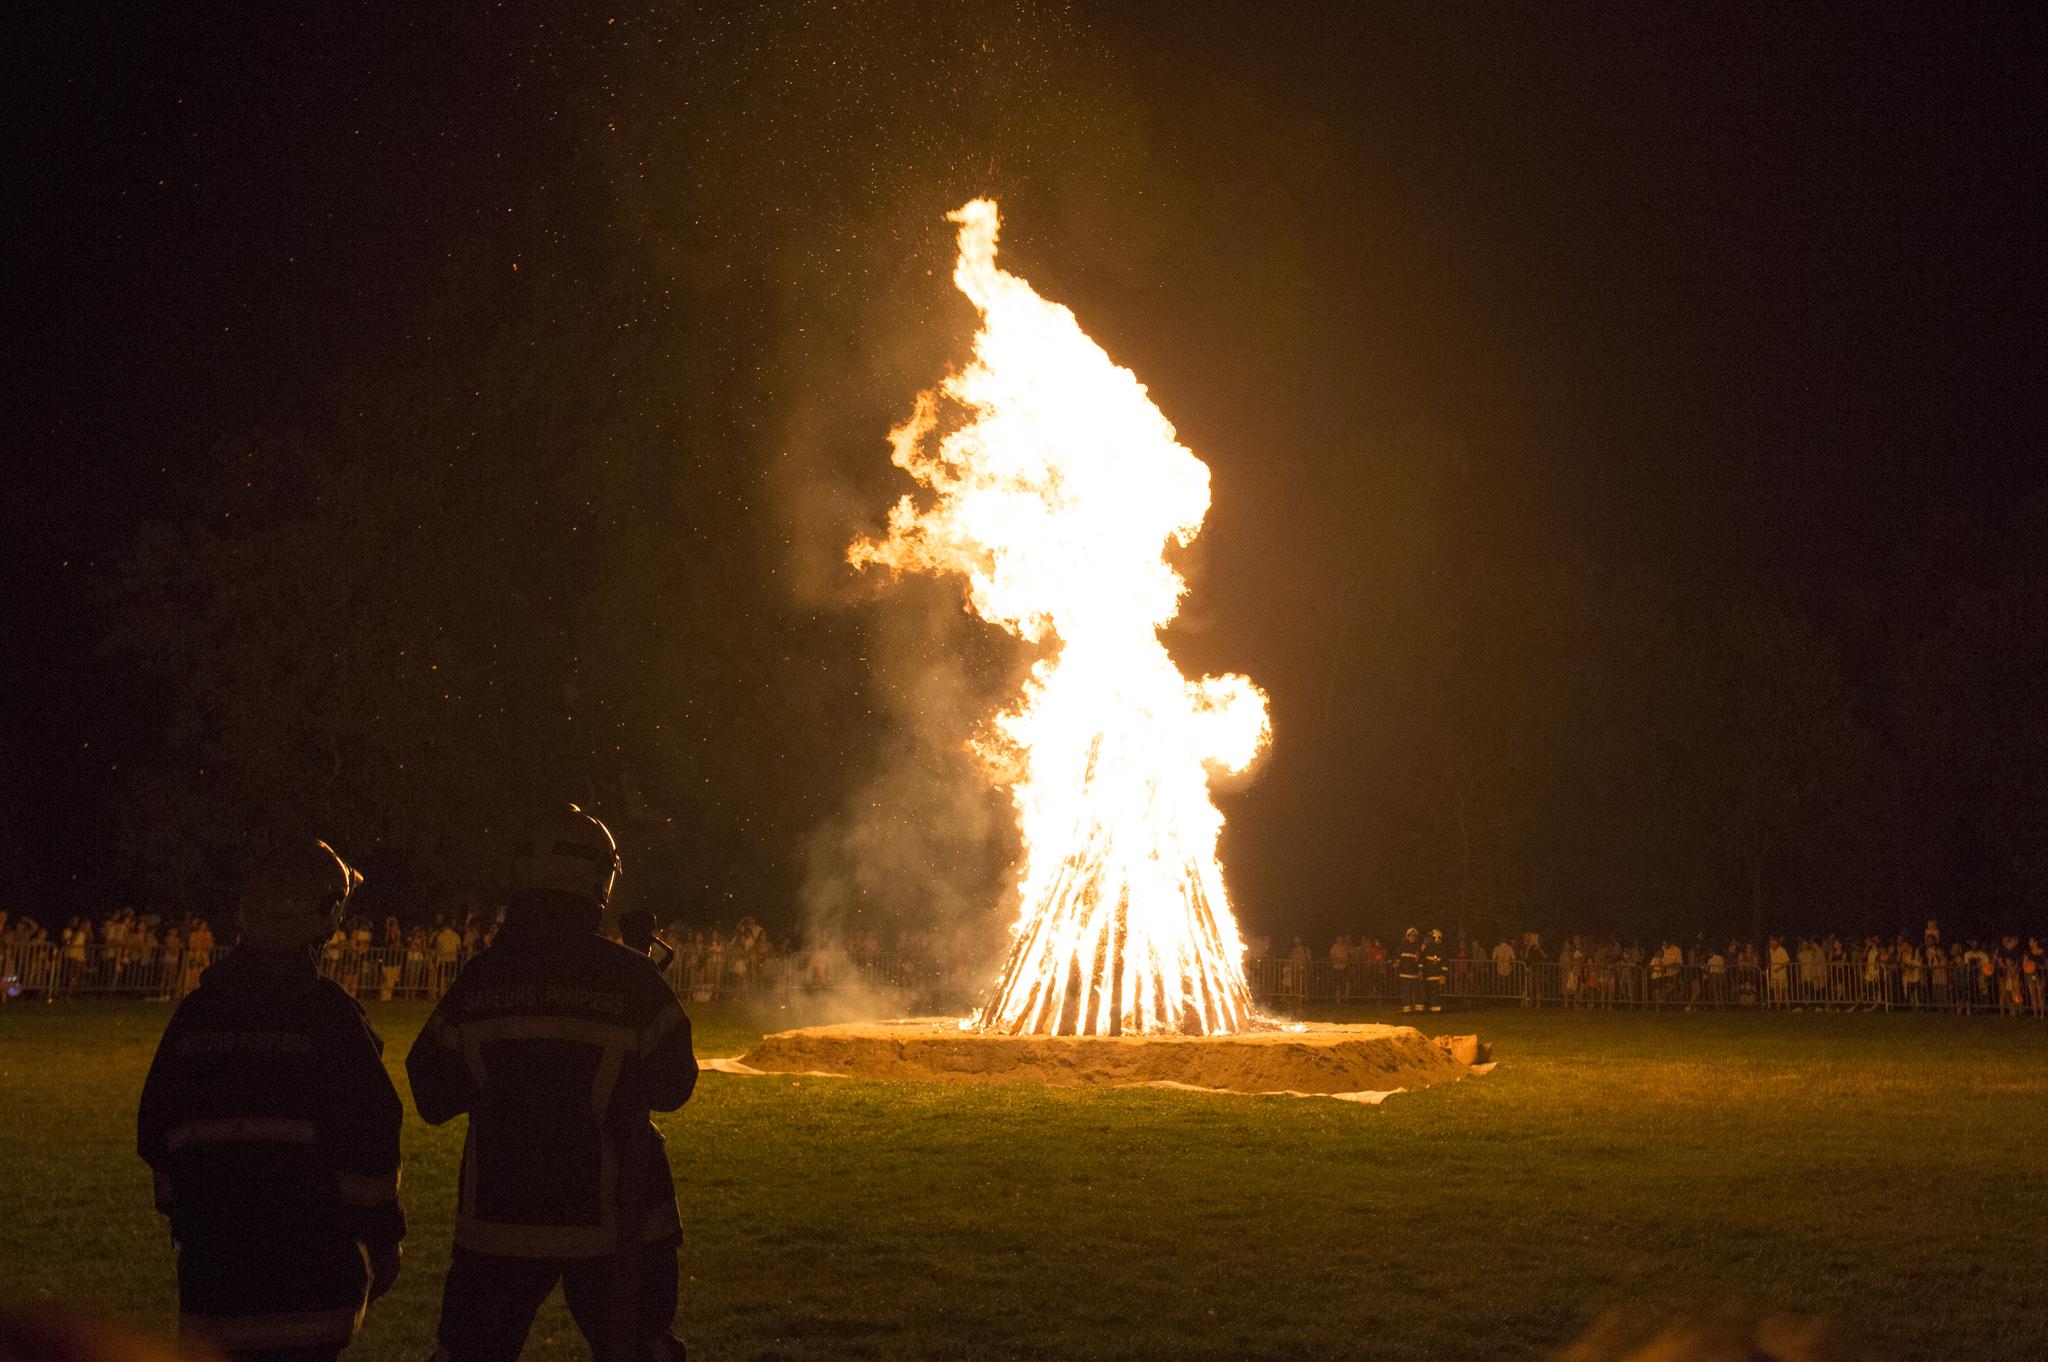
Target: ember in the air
(1055, 487)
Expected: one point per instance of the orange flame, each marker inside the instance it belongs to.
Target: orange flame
(1055, 487)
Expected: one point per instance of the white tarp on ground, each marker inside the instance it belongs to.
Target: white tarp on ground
(735, 1067)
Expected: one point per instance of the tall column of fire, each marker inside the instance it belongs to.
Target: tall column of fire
(1054, 487)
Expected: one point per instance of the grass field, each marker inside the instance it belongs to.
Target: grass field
(1889, 1172)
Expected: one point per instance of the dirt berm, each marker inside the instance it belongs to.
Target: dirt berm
(1323, 1059)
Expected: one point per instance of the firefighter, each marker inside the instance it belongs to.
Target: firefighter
(1410, 970)
(1433, 975)
(272, 1131)
(558, 1043)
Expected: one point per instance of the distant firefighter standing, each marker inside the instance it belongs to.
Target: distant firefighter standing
(558, 1044)
(272, 1131)
(1434, 974)
(1410, 969)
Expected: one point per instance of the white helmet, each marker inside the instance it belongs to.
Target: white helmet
(296, 896)
(569, 851)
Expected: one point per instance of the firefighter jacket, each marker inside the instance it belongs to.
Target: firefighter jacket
(1433, 961)
(557, 1044)
(1410, 963)
(272, 1131)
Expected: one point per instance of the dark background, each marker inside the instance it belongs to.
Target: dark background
(1625, 429)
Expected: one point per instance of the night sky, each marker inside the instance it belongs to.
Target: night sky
(1546, 359)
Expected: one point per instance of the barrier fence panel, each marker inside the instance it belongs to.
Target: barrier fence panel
(49, 970)
(52, 969)
(1841, 985)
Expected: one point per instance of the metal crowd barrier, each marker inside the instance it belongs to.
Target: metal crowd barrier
(55, 969)
(51, 970)
(1831, 986)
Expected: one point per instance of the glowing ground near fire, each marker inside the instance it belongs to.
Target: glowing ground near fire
(1330, 1059)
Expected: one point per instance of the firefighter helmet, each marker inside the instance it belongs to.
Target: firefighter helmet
(1436, 933)
(568, 851)
(296, 896)
(1413, 935)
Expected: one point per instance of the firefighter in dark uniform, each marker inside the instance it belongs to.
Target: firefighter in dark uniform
(558, 1043)
(272, 1131)
(1410, 969)
(1434, 974)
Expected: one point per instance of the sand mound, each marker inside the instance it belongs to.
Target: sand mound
(1324, 1059)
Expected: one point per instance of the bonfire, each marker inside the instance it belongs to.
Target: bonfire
(1049, 483)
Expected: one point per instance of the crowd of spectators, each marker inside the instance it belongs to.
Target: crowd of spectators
(157, 955)
(134, 952)
(2008, 974)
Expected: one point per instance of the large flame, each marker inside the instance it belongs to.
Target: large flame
(1055, 487)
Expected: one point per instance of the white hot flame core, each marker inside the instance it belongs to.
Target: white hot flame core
(1054, 488)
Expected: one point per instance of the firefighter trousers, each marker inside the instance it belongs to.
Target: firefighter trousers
(261, 1300)
(1433, 995)
(489, 1304)
(1411, 993)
